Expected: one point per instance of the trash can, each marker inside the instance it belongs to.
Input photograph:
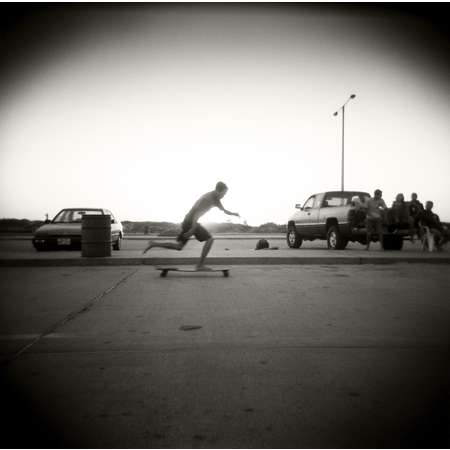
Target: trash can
(96, 235)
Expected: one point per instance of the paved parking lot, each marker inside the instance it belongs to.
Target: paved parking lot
(226, 250)
(273, 356)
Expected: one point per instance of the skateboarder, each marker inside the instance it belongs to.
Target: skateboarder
(190, 225)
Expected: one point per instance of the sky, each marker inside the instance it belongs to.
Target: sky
(142, 109)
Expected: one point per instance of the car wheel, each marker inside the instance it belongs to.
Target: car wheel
(293, 239)
(118, 244)
(335, 241)
(41, 247)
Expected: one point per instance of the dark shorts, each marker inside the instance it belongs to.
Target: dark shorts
(374, 225)
(200, 233)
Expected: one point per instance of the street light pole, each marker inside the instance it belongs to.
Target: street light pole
(342, 158)
(343, 138)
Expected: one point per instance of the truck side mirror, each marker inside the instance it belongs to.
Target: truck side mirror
(47, 221)
(298, 206)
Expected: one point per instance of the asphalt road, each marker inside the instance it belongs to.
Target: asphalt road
(271, 357)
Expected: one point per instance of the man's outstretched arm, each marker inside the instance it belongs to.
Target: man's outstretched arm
(231, 213)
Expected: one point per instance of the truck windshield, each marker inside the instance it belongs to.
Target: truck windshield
(342, 198)
(335, 200)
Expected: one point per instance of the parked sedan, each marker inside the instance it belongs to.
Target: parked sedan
(64, 231)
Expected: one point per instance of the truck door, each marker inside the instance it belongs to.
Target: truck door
(303, 217)
(314, 217)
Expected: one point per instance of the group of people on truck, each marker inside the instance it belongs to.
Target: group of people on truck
(411, 215)
(372, 210)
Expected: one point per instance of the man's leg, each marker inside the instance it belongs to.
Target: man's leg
(203, 235)
(205, 250)
(380, 232)
(445, 236)
(170, 245)
(438, 238)
(412, 231)
(178, 245)
(368, 233)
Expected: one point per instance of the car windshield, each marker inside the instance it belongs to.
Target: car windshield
(74, 215)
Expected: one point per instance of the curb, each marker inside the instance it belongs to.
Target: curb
(218, 261)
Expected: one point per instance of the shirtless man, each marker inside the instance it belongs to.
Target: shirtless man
(190, 225)
(376, 211)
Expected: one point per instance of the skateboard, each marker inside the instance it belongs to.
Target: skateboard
(166, 270)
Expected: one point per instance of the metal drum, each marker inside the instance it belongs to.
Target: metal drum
(96, 235)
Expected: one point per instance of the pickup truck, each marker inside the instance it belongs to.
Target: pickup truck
(332, 216)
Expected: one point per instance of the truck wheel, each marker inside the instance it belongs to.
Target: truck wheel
(363, 241)
(392, 242)
(335, 241)
(293, 239)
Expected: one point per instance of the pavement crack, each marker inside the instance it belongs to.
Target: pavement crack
(69, 317)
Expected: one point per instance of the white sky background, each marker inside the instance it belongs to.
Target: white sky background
(146, 112)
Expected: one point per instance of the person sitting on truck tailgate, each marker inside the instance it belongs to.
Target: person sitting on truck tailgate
(359, 214)
(400, 214)
(431, 220)
(376, 208)
(415, 209)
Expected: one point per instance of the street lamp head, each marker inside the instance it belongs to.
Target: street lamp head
(352, 96)
(335, 114)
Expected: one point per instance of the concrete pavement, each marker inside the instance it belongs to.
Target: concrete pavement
(227, 250)
(279, 356)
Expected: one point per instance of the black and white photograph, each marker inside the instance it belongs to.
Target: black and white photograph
(225, 225)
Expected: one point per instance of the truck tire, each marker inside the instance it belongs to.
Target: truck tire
(392, 242)
(293, 239)
(335, 241)
(363, 241)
